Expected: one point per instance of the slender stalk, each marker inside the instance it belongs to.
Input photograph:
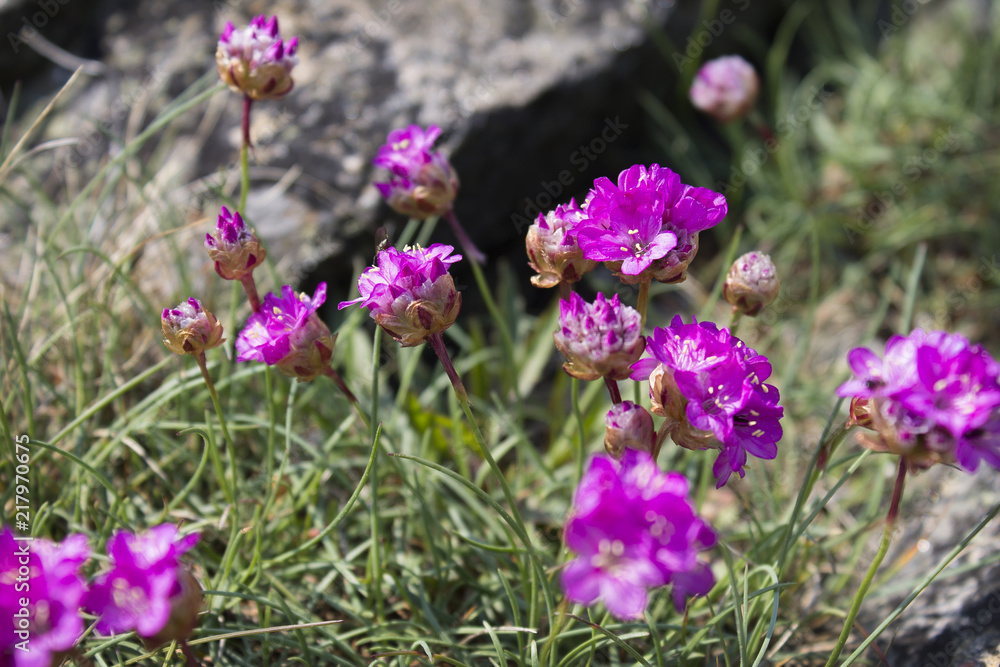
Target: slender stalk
(565, 290)
(468, 246)
(245, 154)
(890, 525)
(230, 490)
(341, 385)
(734, 320)
(582, 442)
(616, 396)
(189, 656)
(251, 289)
(643, 301)
(375, 554)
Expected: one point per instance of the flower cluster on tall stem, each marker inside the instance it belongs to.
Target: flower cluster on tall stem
(932, 398)
(725, 88)
(634, 528)
(711, 388)
(254, 61)
(236, 252)
(553, 250)
(422, 182)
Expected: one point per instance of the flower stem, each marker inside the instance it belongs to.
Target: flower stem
(616, 396)
(192, 660)
(245, 155)
(463, 239)
(643, 301)
(890, 524)
(734, 320)
(342, 386)
(230, 490)
(251, 289)
(437, 344)
(581, 450)
(565, 290)
(374, 523)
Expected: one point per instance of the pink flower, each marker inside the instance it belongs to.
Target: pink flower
(725, 88)
(254, 61)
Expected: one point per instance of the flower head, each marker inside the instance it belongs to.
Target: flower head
(725, 88)
(552, 247)
(752, 283)
(190, 329)
(48, 576)
(633, 528)
(147, 588)
(601, 339)
(933, 398)
(647, 225)
(710, 387)
(254, 61)
(629, 426)
(234, 247)
(286, 332)
(422, 182)
(410, 293)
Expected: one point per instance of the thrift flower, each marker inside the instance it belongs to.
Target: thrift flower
(601, 339)
(634, 528)
(47, 576)
(725, 88)
(752, 283)
(629, 426)
(933, 398)
(286, 332)
(422, 182)
(710, 387)
(254, 61)
(410, 293)
(552, 247)
(646, 226)
(234, 247)
(147, 588)
(190, 329)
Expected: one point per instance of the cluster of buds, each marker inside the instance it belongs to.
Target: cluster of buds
(599, 340)
(254, 61)
(629, 426)
(190, 329)
(552, 248)
(422, 182)
(725, 88)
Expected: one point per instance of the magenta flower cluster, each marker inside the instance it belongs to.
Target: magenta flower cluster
(933, 398)
(410, 293)
(421, 181)
(711, 387)
(634, 528)
(255, 61)
(648, 223)
(42, 591)
(600, 339)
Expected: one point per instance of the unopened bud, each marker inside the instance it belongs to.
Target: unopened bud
(189, 329)
(629, 426)
(752, 283)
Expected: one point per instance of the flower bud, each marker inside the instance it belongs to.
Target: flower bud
(752, 283)
(422, 182)
(188, 329)
(552, 248)
(725, 88)
(254, 61)
(599, 340)
(185, 605)
(234, 247)
(629, 426)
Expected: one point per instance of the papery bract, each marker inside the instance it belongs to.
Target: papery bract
(190, 329)
(254, 61)
(552, 247)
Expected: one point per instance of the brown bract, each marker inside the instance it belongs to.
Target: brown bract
(198, 336)
(270, 81)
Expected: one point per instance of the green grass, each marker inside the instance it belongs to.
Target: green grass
(349, 547)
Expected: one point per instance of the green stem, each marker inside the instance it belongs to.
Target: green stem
(890, 524)
(581, 450)
(376, 557)
(245, 155)
(643, 301)
(229, 490)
